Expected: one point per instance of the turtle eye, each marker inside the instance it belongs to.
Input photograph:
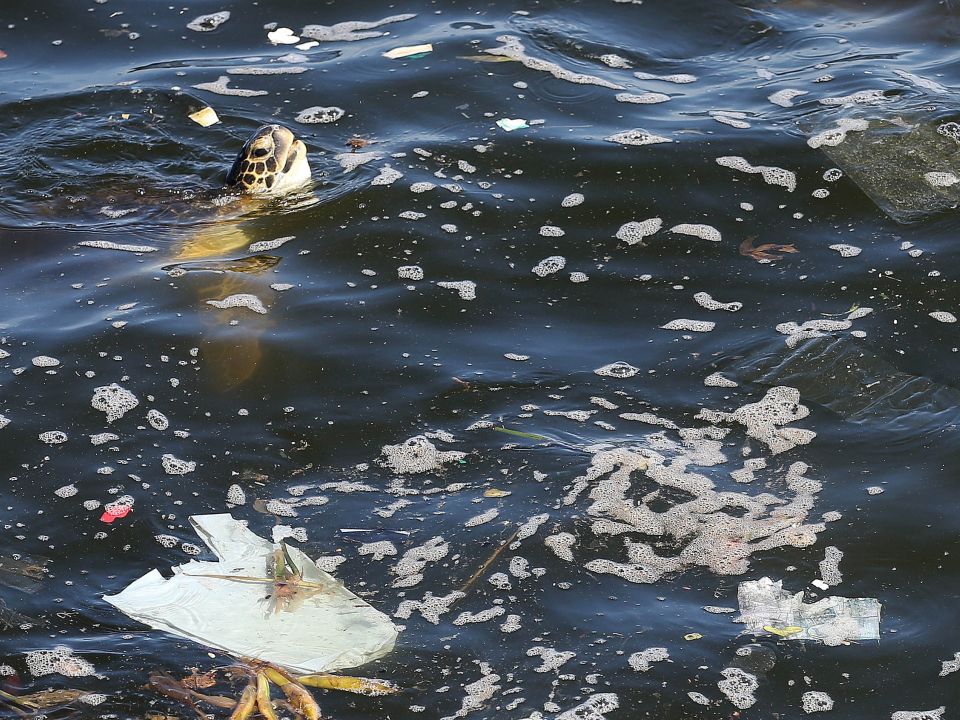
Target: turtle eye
(259, 152)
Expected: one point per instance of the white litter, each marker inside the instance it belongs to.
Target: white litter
(331, 629)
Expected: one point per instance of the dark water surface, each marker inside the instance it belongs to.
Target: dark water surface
(97, 146)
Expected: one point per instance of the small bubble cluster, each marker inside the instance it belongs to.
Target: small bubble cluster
(319, 115)
(815, 701)
(549, 265)
(113, 400)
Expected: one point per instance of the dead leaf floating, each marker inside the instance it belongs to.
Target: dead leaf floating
(766, 252)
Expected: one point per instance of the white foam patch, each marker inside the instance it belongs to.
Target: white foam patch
(676, 78)
(387, 176)
(551, 659)
(482, 518)
(594, 708)
(718, 380)
(549, 265)
(379, 549)
(943, 316)
(410, 272)
(352, 160)
(572, 200)
(733, 119)
(615, 61)
(352, 30)
(561, 544)
(771, 175)
(470, 618)
(641, 661)
(634, 232)
(935, 714)
(738, 686)
(785, 97)
(551, 231)
(210, 22)
(103, 438)
(175, 466)
(430, 607)
(764, 420)
(814, 701)
(417, 455)
(466, 289)
(619, 369)
(862, 97)
(810, 329)
(319, 115)
(637, 137)
(950, 666)
(240, 300)
(108, 245)
(157, 420)
(409, 569)
(44, 361)
(832, 137)
(53, 437)
(690, 325)
(60, 661)
(4, 421)
(236, 495)
(113, 400)
(704, 300)
(272, 70)
(830, 566)
(649, 98)
(66, 491)
(221, 87)
(267, 245)
(512, 48)
(704, 232)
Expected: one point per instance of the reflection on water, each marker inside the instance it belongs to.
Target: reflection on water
(426, 340)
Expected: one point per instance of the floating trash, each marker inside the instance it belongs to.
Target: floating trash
(408, 51)
(315, 625)
(833, 620)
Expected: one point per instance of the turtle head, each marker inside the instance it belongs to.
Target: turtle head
(273, 161)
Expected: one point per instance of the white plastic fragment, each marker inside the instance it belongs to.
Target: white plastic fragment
(407, 51)
(205, 117)
(511, 124)
(344, 631)
(282, 36)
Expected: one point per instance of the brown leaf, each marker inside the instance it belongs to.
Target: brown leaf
(765, 251)
(200, 681)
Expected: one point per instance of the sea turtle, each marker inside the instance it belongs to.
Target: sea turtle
(272, 163)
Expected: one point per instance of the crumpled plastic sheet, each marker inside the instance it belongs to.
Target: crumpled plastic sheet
(331, 629)
(832, 620)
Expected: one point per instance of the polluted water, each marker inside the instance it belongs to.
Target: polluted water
(531, 361)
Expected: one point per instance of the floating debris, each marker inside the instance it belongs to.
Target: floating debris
(108, 245)
(408, 51)
(205, 117)
(318, 624)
